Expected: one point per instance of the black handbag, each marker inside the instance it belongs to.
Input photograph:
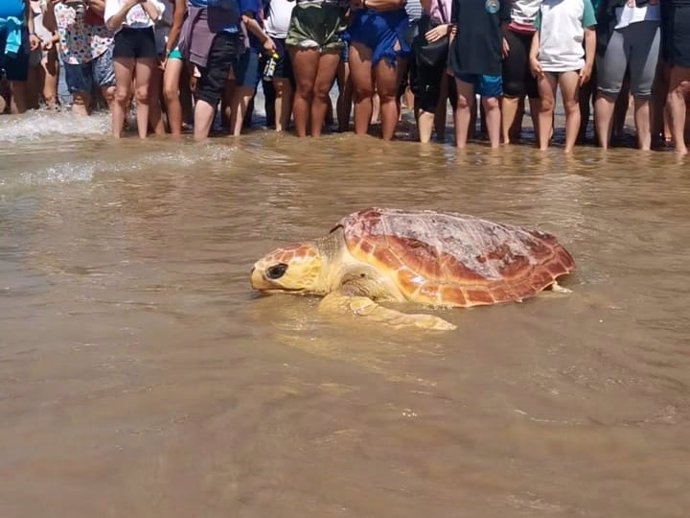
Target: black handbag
(431, 54)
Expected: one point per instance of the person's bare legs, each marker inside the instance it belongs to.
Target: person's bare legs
(325, 74)
(226, 103)
(375, 107)
(203, 119)
(143, 73)
(679, 84)
(51, 72)
(81, 104)
(642, 123)
(344, 102)
(18, 91)
(463, 114)
(362, 85)
(603, 118)
(283, 102)
(124, 70)
(658, 106)
(108, 94)
(492, 109)
(441, 112)
(570, 90)
(425, 125)
(387, 87)
(534, 114)
(547, 99)
(509, 110)
(240, 100)
(171, 94)
(305, 64)
(155, 108)
(620, 111)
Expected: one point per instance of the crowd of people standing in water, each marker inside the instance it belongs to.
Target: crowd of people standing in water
(181, 61)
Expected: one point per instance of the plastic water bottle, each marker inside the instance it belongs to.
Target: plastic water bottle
(270, 67)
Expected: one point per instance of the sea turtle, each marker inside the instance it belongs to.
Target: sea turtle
(440, 259)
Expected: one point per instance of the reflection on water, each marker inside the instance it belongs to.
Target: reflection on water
(139, 375)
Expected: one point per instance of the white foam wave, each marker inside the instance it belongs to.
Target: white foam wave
(84, 171)
(38, 125)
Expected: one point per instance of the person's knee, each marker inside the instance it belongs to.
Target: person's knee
(80, 99)
(571, 106)
(464, 102)
(546, 104)
(280, 88)
(641, 99)
(171, 93)
(362, 93)
(683, 87)
(491, 103)
(321, 91)
(122, 94)
(305, 88)
(142, 94)
(388, 97)
(608, 95)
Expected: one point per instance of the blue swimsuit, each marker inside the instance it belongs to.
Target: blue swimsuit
(381, 32)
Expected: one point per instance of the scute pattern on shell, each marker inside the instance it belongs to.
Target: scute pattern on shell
(449, 259)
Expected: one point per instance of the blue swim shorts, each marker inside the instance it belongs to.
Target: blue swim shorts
(382, 32)
(484, 85)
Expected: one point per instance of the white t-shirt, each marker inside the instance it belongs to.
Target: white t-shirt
(632, 14)
(278, 18)
(137, 17)
(561, 26)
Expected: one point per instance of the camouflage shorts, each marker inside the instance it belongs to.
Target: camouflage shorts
(317, 26)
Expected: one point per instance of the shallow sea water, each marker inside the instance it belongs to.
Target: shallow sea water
(140, 375)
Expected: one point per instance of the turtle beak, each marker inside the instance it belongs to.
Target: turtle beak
(258, 281)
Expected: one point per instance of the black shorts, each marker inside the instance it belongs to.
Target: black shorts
(283, 66)
(225, 50)
(425, 83)
(16, 67)
(135, 43)
(518, 80)
(676, 36)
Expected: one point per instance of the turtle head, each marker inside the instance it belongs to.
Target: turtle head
(294, 268)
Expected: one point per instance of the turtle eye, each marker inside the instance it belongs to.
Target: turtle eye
(276, 271)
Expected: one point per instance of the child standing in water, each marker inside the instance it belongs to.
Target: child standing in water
(134, 56)
(17, 39)
(86, 50)
(557, 58)
(475, 60)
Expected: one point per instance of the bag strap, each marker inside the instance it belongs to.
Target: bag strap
(442, 10)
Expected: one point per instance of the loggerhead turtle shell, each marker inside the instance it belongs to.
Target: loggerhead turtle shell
(449, 259)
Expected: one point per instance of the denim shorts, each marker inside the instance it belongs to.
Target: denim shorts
(96, 73)
(484, 85)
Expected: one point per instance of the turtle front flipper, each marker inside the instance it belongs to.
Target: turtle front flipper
(365, 307)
